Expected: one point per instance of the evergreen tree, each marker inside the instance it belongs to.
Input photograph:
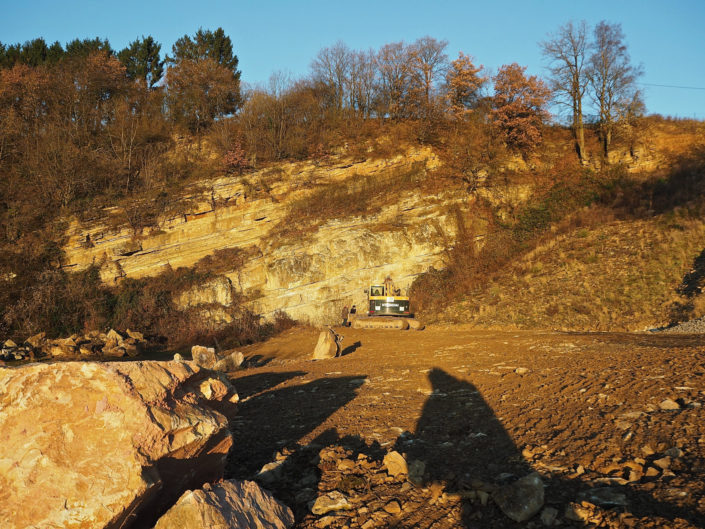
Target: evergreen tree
(142, 61)
(215, 45)
(83, 48)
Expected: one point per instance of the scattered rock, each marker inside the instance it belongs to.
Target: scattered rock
(416, 470)
(673, 452)
(579, 512)
(548, 516)
(395, 464)
(664, 463)
(604, 497)
(328, 345)
(522, 499)
(669, 405)
(483, 496)
(135, 335)
(346, 464)
(204, 356)
(647, 450)
(393, 507)
(36, 341)
(521, 371)
(230, 362)
(227, 505)
(651, 472)
(333, 501)
(271, 472)
(178, 358)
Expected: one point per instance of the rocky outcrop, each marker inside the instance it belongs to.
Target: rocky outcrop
(227, 505)
(111, 445)
(310, 278)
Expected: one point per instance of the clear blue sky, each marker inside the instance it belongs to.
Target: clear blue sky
(668, 38)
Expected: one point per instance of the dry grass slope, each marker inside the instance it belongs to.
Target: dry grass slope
(622, 276)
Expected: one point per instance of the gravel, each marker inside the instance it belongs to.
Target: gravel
(688, 327)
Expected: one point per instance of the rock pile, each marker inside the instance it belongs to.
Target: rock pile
(366, 486)
(696, 326)
(106, 445)
(210, 359)
(93, 344)
(354, 484)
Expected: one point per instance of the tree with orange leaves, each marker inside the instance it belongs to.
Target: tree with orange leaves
(463, 84)
(519, 107)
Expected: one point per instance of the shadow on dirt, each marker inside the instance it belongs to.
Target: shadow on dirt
(461, 440)
(253, 384)
(351, 348)
(275, 420)
(255, 361)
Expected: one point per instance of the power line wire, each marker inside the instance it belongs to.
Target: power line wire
(674, 86)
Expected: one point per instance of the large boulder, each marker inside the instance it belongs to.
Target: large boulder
(112, 445)
(227, 505)
(328, 345)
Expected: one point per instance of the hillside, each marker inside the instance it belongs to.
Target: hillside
(306, 238)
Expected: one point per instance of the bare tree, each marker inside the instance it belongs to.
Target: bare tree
(612, 79)
(428, 63)
(363, 76)
(394, 65)
(332, 67)
(566, 51)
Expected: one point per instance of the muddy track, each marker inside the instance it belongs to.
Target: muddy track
(479, 409)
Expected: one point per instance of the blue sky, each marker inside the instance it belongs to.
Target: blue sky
(668, 38)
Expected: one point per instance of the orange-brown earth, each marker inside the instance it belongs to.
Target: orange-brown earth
(589, 412)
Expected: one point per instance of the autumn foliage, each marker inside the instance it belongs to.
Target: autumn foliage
(519, 106)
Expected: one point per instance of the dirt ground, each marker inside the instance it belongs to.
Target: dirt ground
(613, 423)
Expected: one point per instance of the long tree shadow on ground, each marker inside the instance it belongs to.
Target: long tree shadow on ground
(461, 441)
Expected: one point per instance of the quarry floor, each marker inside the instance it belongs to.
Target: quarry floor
(619, 414)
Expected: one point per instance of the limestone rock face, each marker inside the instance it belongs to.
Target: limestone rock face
(216, 290)
(310, 278)
(111, 445)
(227, 505)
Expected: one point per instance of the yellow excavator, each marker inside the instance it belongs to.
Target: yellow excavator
(386, 309)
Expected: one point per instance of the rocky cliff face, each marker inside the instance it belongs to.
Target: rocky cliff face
(311, 277)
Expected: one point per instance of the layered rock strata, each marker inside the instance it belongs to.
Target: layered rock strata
(310, 276)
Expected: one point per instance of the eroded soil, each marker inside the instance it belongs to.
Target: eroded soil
(479, 409)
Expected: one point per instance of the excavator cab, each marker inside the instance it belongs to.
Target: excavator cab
(384, 300)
